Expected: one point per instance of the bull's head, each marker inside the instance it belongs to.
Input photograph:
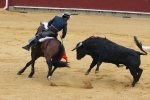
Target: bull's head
(81, 52)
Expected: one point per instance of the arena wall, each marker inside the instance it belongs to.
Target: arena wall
(121, 5)
(123, 8)
(2, 3)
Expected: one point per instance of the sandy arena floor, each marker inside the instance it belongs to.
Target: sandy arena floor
(111, 83)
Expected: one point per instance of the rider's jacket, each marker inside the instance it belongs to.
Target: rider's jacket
(57, 24)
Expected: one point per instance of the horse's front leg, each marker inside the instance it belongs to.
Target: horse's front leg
(32, 69)
(49, 63)
(34, 57)
(22, 70)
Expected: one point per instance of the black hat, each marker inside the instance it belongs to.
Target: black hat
(67, 14)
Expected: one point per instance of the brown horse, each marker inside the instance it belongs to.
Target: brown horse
(51, 49)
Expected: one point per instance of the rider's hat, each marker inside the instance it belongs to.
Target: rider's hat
(66, 14)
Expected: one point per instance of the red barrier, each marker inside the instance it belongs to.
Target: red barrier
(121, 5)
(2, 3)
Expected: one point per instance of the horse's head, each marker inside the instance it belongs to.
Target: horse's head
(40, 28)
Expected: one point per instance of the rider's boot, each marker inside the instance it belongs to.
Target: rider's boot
(27, 47)
(34, 42)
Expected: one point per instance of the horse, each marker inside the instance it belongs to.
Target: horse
(51, 49)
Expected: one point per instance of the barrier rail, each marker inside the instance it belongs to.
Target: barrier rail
(125, 14)
(6, 5)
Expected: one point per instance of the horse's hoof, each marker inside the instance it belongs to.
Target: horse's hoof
(49, 77)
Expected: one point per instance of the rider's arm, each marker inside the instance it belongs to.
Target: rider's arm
(51, 21)
(64, 32)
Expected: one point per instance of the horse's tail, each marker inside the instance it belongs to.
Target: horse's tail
(57, 57)
(60, 64)
(139, 44)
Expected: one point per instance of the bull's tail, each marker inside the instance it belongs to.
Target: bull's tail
(139, 44)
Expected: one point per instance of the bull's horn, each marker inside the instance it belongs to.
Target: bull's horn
(73, 49)
(80, 44)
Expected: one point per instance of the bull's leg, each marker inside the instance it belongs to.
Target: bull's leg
(135, 76)
(49, 63)
(22, 70)
(91, 66)
(97, 68)
(139, 70)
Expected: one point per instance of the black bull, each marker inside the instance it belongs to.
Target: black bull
(104, 50)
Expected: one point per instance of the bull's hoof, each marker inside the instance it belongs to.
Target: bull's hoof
(19, 73)
(132, 85)
(134, 82)
(68, 66)
(30, 76)
(86, 73)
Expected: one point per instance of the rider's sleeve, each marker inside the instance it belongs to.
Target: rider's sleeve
(51, 21)
(64, 31)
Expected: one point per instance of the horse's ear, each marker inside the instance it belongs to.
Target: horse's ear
(40, 23)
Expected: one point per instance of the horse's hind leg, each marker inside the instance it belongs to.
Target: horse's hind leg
(22, 70)
(54, 69)
(49, 63)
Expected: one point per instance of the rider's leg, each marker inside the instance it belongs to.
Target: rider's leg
(44, 34)
(27, 47)
(49, 33)
(35, 41)
(38, 36)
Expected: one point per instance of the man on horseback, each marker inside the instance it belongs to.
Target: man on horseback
(54, 26)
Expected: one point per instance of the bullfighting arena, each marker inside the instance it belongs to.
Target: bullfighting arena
(111, 83)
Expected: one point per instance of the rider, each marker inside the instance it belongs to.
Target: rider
(54, 26)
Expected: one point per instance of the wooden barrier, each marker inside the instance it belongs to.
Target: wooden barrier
(76, 11)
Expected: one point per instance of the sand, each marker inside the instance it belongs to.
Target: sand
(111, 83)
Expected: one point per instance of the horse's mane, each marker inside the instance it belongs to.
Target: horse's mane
(43, 26)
